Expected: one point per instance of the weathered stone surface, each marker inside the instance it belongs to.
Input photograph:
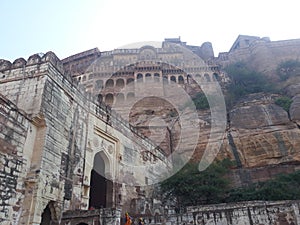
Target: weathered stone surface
(261, 54)
(295, 109)
(262, 133)
(13, 161)
(248, 213)
(258, 116)
(293, 90)
(49, 151)
(53, 135)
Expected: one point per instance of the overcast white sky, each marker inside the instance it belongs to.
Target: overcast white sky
(68, 27)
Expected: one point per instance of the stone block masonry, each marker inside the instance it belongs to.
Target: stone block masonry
(65, 158)
(13, 131)
(51, 136)
(242, 213)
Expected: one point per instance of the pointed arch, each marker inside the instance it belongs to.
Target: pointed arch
(50, 214)
(101, 185)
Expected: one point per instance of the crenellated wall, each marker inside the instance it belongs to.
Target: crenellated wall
(51, 149)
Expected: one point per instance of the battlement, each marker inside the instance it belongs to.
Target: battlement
(30, 67)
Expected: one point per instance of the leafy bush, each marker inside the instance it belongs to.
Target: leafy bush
(200, 101)
(191, 187)
(245, 81)
(283, 187)
(284, 102)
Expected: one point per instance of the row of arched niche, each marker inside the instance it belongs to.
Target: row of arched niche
(147, 77)
(111, 94)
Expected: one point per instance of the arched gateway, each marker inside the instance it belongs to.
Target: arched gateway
(101, 188)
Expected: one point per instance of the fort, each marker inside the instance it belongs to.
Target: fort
(78, 144)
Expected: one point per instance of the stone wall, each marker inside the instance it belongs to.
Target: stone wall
(92, 217)
(261, 54)
(50, 149)
(244, 213)
(14, 160)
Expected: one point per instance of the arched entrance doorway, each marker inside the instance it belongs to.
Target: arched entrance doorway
(46, 216)
(101, 188)
(49, 216)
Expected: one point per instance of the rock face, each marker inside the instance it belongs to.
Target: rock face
(261, 137)
(295, 109)
(263, 134)
(293, 91)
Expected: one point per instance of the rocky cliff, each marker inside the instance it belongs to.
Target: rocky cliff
(262, 137)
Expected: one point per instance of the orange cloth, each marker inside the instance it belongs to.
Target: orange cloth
(128, 219)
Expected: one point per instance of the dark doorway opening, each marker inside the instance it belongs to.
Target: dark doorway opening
(97, 190)
(101, 188)
(46, 216)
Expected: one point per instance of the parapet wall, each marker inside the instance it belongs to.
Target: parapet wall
(246, 213)
(262, 55)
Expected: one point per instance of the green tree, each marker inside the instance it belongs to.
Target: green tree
(245, 81)
(284, 102)
(282, 187)
(200, 101)
(191, 187)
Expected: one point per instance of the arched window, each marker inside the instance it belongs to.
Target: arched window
(109, 99)
(207, 77)
(130, 96)
(109, 83)
(216, 77)
(130, 81)
(99, 98)
(120, 83)
(148, 77)
(180, 80)
(173, 78)
(139, 77)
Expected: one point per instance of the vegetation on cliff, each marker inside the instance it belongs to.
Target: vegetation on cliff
(284, 102)
(282, 187)
(200, 101)
(190, 187)
(245, 81)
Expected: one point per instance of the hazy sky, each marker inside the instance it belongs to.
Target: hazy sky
(68, 27)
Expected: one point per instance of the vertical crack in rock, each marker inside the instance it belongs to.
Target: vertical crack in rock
(234, 150)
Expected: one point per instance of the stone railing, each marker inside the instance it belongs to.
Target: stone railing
(105, 216)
